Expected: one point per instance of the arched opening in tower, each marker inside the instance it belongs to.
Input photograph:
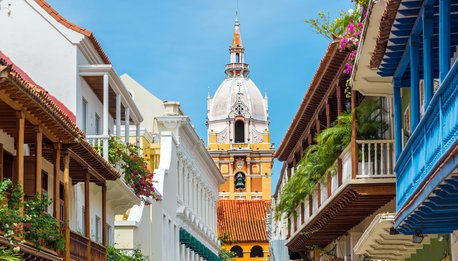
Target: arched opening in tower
(239, 132)
(237, 58)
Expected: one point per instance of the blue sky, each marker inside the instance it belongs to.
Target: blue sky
(178, 48)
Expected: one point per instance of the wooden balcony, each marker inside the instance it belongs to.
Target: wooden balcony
(426, 185)
(82, 248)
(342, 199)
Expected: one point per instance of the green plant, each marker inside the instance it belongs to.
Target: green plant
(34, 224)
(114, 254)
(319, 158)
(332, 29)
(8, 254)
(225, 255)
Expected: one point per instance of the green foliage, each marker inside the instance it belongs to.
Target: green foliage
(8, 254)
(225, 255)
(40, 227)
(332, 29)
(319, 158)
(34, 225)
(114, 254)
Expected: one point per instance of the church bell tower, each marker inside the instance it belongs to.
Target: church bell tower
(238, 130)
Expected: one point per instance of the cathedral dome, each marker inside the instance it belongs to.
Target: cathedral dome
(238, 113)
(238, 95)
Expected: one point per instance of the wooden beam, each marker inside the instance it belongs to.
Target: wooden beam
(67, 186)
(328, 114)
(1, 161)
(104, 214)
(354, 145)
(38, 160)
(87, 211)
(56, 187)
(339, 99)
(329, 181)
(30, 117)
(317, 125)
(19, 146)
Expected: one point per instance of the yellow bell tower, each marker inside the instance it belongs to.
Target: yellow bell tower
(239, 143)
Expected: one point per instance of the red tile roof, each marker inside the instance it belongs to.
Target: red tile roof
(59, 18)
(243, 220)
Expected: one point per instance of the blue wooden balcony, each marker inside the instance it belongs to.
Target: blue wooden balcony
(421, 48)
(427, 190)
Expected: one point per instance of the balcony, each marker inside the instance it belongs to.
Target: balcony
(81, 248)
(426, 187)
(343, 198)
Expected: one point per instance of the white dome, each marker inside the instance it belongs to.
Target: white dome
(235, 91)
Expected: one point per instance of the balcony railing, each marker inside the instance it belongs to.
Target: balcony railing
(79, 248)
(376, 160)
(436, 133)
(100, 142)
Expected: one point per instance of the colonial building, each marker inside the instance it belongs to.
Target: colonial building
(415, 47)
(239, 143)
(70, 62)
(182, 226)
(328, 222)
(43, 151)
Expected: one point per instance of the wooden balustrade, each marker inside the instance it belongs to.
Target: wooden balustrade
(78, 248)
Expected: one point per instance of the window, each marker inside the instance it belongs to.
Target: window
(237, 250)
(84, 114)
(83, 223)
(257, 251)
(97, 124)
(239, 132)
(98, 229)
(237, 58)
(108, 234)
(62, 203)
(44, 182)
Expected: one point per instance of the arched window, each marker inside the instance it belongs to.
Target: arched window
(239, 180)
(239, 132)
(237, 250)
(237, 58)
(257, 251)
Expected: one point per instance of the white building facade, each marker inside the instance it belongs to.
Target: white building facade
(69, 61)
(182, 226)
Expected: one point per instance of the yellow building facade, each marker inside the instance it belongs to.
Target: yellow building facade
(239, 143)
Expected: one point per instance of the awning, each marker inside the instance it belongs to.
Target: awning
(195, 245)
(377, 243)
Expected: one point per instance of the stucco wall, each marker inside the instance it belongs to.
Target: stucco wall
(36, 46)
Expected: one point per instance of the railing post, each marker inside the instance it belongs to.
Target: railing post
(87, 211)
(318, 194)
(310, 205)
(19, 146)
(354, 145)
(414, 82)
(444, 38)
(118, 115)
(339, 172)
(127, 124)
(67, 204)
(106, 101)
(397, 117)
(56, 188)
(329, 180)
(38, 159)
(104, 214)
(428, 86)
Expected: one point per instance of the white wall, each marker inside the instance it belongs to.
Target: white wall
(37, 47)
